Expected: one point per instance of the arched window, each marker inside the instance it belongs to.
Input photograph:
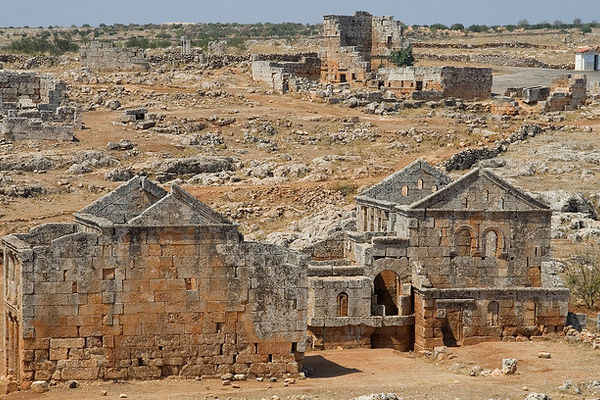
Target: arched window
(492, 244)
(464, 243)
(486, 195)
(419, 183)
(405, 190)
(529, 318)
(493, 308)
(501, 204)
(342, 305)
(434, 189)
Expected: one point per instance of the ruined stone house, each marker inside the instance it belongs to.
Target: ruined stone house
(567, 93)
(35, 106)
(104, 56)
(146, 284)
(356, 44)
(434, 83)
(436, 262)
(280, 74)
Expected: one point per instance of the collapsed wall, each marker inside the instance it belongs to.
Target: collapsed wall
(106, 57)
(34, 106)
(567, 93)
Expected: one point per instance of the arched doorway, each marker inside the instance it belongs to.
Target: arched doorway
(387, 290)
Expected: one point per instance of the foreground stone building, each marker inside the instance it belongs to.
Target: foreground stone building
(146, 284)
(436, 262)
(35, 106)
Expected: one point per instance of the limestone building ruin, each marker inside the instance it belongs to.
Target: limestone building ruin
(146, 284)
(34, 106)
(104, 56)
(355, 44)
(436, 262)
(280, 74)
(434, 83)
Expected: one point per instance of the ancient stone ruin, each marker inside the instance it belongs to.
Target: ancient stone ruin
(34, 106)
(357, 51)
(435, 83)
(567, 93)
(436, 262)
(354, 44)
(281, 74)
(104, 56)
(146, 284)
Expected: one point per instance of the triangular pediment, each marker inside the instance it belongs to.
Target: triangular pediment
(410, 184)
(179, 208)
(480, 190)
(126, 202)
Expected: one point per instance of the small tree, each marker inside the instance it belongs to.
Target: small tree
(403, 57)
(577, 21)
(523, 23)
(582, 275)
(457, 27)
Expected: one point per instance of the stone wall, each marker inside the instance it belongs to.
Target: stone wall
(144, 300)
(352, 41)
(34, 106)
(279, 74)
(464, 83)
(462, 317)
(566, 93)
(106, 57)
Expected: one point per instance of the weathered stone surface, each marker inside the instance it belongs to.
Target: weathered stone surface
(147, 284)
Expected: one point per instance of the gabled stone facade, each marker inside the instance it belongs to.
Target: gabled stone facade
(146, 284)
(435, 262)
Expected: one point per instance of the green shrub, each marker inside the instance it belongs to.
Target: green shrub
(582, 276)
(42, 45)
(403, 57)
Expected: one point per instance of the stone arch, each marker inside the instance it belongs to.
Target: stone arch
(465, 241)
(387, 289)
(492, 242)
(405, 190)
(342, 304)
(398, 265)
(419, 183)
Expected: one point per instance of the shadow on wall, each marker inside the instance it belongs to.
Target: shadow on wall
(320, 367)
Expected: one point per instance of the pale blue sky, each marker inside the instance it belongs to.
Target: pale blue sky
(94, 12)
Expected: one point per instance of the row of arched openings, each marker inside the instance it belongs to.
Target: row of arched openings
(466, 243)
